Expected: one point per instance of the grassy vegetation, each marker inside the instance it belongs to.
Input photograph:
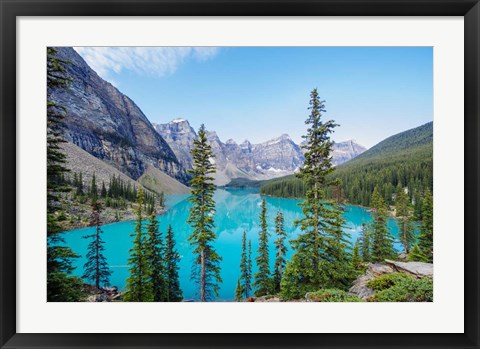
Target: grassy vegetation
(401, 288)
(332, 295)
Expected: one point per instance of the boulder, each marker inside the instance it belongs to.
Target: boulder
(101, 298)
(268, 298)
(417, 269)
(402, 257)
(374, 270)
(360, 288)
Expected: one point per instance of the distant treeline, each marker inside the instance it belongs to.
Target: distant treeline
(411, 170)
(358, 182)
(116, 194)
(287, 187)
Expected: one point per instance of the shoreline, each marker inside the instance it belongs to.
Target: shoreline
(126, 216)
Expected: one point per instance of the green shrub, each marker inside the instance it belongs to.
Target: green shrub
(407, 290)
(332, 295)
(387, 280)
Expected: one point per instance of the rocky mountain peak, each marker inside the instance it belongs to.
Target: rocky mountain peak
(109, 125)
(347, 150)
(246, 144)
(276, 157)
(178, 121)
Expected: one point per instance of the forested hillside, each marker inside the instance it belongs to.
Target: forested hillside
(405, 158)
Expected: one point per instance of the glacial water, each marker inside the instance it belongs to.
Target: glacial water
(237, 210)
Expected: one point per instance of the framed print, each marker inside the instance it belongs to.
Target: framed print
(233, 174)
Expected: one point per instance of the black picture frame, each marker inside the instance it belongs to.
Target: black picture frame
(10, 10)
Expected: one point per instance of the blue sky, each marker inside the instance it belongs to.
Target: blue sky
(258, 93)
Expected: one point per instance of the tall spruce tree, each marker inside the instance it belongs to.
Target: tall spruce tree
(61, 287)
(155, 250)
(80, 185)
(238, 292)
(206, 269)
(96, 267)
(356, 259)
(138, 286)
(382, 240)
(281, 251)
(172, 258)
(103, 192)
(406, 234)
(425, 238)
(364, 242)
(248, 281)
(245, 271)
(262, 282)
(321, 257)
(94, 188)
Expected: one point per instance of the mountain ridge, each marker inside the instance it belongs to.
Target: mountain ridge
(109, 125)
(273, 158)
(404, 159)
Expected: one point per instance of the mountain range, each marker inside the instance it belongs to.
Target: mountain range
(109, 126)
(274, 158)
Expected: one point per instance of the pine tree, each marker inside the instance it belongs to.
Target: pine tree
(356, 259)
(238, 292)
(281, 251)
(80, 185)
(206, 270)
(417, 206)
(245, 270)
(365, 243)
(262, 282)
(382, 242)
(94, 188)
(61, 287)
(172, 258)
(425, 238)
(416, 255)
(96, 267)
(321, 257)
(138, 287)
(154, 250)
(75, 180)
(103, 193)
(403, 213)
(248, 280)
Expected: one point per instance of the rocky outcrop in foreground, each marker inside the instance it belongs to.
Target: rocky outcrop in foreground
(416, 269)
(103, 294)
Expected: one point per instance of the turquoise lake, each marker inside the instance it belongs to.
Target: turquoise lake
(237, 210)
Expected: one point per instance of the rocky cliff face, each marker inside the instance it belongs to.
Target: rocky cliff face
(109, 125)
(274, 158)
(277, 155)
(180, 136)
(344, 151)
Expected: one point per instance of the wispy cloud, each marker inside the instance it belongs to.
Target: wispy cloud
(154, 61)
